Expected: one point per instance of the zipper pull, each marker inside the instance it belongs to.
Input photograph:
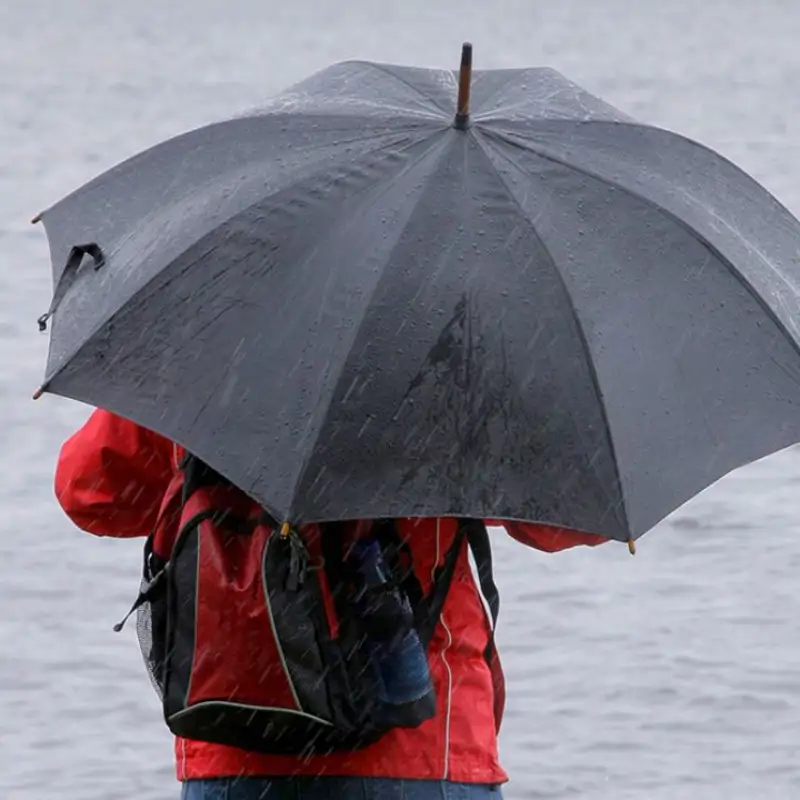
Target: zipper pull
(298, 562)
(121, 624)
(142, 598)
(293, 581)
(302, 555)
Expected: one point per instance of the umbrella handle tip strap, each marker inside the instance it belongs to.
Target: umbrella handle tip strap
(461, 121)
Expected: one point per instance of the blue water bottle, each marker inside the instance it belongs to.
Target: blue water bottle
(393, 639)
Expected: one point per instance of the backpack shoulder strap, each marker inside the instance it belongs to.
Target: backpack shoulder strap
(196, 474)
(477, 537)
(427, 609)
(432, 605)
(199, 475)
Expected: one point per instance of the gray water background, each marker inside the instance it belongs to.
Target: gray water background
(669, 676)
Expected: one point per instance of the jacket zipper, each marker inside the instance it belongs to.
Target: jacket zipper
(448, 643)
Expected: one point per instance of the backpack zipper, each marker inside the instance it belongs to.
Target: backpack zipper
(278, 646)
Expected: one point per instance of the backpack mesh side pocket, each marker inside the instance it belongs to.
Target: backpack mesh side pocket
(151, 616)
(151, 623)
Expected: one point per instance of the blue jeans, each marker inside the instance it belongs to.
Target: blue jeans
(329, 788)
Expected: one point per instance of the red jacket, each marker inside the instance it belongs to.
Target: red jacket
(115, 478)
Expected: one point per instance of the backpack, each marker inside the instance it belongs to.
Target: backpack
(259, 637)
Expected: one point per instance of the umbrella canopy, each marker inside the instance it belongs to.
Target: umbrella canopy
(354, 302)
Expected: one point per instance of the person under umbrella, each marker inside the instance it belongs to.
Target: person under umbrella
(116, 478)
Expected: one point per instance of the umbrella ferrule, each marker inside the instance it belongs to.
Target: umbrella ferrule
(461, 121)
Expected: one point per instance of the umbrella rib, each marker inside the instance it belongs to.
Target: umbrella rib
(595, 378)
(695, 234)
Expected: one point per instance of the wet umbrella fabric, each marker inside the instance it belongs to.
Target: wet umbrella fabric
(353, 309)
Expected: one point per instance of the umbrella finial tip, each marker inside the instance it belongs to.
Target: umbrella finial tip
(285, 529)
(461, 121)
(632, 547)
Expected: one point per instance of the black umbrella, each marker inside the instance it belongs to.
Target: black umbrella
(353, 306)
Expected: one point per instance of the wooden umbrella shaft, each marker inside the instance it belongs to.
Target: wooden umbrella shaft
(464, 84)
